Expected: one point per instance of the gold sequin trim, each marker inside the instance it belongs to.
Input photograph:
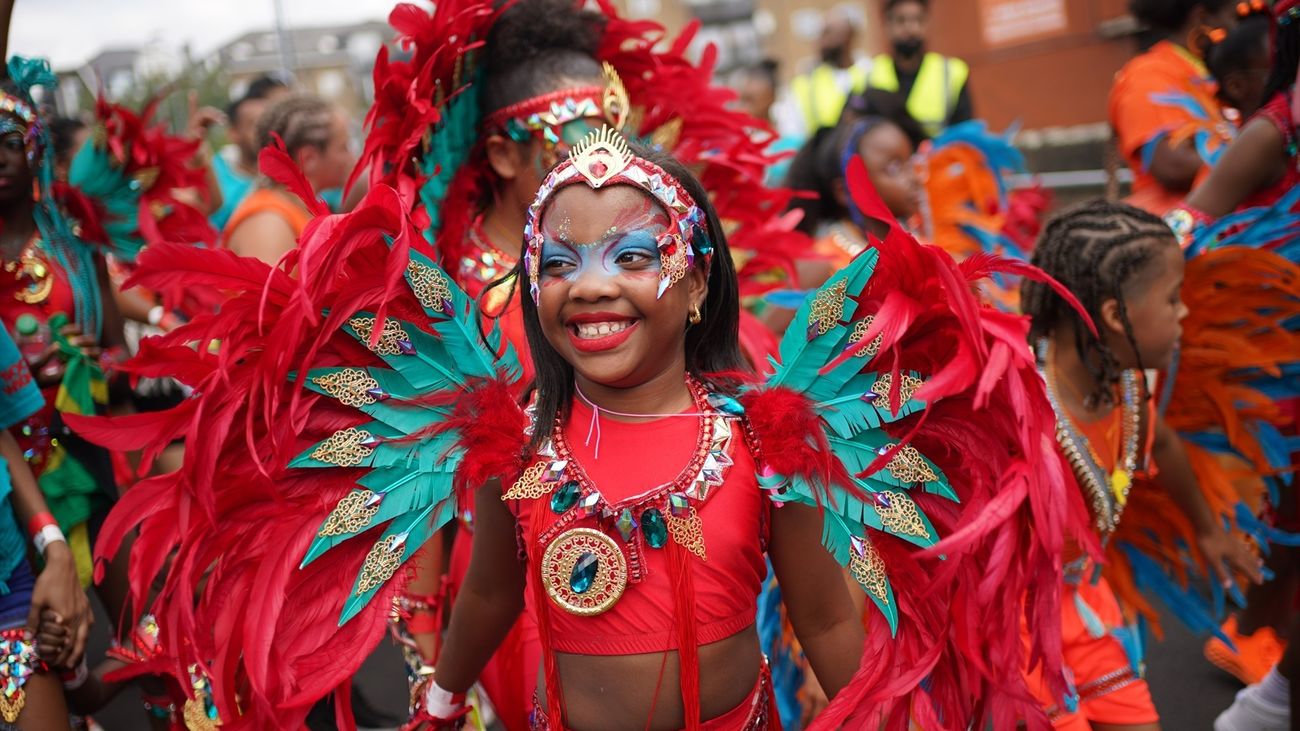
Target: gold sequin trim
(344, 448)
(387, 344)
(352, 514)
(860, 331)
(869, 571)
(828, 308)
(349, 386)
(430, 286)
(908, 386)
(196, 716)
(530, 486)
(688, 532)
(908, 465)
(901, 517)
(381, 563)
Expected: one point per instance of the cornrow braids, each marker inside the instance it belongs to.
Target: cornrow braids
(1094, 250)
(300, 120)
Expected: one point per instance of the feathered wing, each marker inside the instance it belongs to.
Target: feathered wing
(135, 184)
(972, 207)
(915, 418)
(327, 441)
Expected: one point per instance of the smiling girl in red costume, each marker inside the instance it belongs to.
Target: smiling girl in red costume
(510, 91)
(631, 499)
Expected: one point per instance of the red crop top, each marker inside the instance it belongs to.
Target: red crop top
(633, 458)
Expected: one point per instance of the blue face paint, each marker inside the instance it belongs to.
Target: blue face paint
(630, 253)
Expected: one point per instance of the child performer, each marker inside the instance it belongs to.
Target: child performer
(1126, 268)
(631, 503)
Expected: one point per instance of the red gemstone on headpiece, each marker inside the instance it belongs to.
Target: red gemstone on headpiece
(669, 248)
(599, 169)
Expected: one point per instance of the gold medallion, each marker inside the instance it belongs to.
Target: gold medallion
(584, 572)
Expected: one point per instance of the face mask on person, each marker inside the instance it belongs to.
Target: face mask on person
(908, 47)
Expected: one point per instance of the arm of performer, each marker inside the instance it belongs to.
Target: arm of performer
(1176, 166)
(1255, 160)
(57, 587)
(817, 600)
(1223, 552)
(490, 600)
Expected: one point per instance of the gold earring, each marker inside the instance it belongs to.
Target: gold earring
(696, 317)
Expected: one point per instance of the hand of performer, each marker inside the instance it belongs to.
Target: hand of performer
(58, 596)
(52, 637)
(201, 119)
(1228, 555)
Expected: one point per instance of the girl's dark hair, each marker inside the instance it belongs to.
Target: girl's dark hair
(1094, 250)
(888, 104)
(712, 347)
(63, 134)
(1170, 15)
(890, 4)
(1286, 54)
(300, 120)
(1239, 47)
(535, 43)
(818, 164)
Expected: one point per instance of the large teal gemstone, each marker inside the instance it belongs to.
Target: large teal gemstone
(654, 528)
(584, 573)
(563, 499)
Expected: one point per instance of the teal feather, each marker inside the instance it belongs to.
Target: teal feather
(417, 528)
(100, 177)
(403, 491)
(801, 358)
(459, 332)
(447, 147)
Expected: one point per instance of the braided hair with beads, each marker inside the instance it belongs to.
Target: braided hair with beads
(1094, 250)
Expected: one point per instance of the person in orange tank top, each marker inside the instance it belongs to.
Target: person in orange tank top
(314, 132)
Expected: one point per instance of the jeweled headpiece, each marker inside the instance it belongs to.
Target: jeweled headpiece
(24, 120)
(602, 159)
(547, 114)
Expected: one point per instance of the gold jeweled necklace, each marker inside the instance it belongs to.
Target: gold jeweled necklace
(1107, 494)
(584, 569)
(32, 273)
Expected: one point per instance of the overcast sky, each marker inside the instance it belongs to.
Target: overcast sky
(68, 32)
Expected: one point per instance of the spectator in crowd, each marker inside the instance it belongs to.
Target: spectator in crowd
(237, 173)
(315, 135)
(935, 86)
(815, 99)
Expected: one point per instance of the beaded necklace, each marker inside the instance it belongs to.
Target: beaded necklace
(1107, 494)
(584, 569)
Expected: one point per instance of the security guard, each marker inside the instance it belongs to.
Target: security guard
(817, 97)
(934, 85)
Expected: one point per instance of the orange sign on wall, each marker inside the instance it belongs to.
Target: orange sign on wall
(1011, 22)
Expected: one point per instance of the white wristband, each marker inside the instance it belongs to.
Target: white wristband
(156, 314)
(440, 702)
(48, 535)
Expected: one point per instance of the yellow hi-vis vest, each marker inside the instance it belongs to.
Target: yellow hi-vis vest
(934, 95)
(820, 96)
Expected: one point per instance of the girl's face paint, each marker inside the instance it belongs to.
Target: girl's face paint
(599, 275)
(628, 247)
(16, 152)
